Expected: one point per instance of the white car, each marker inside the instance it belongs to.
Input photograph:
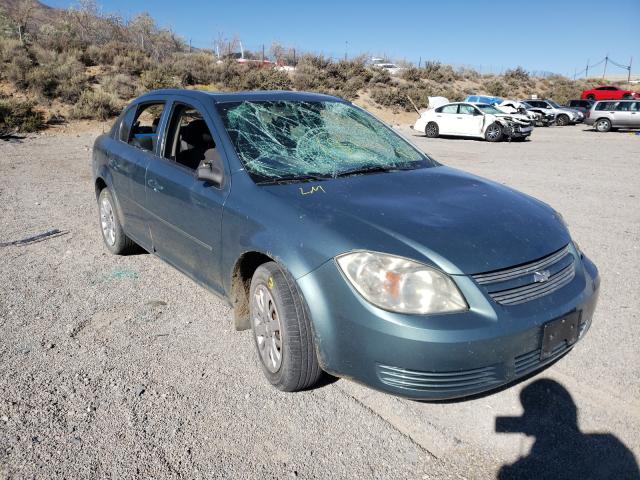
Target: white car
(392, 68)
(472, 120)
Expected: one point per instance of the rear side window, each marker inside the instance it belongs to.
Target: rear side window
(606, 105)
(623, 106)
(143, 133)
(448, 109)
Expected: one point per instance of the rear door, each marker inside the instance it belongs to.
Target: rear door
(623, 115)
(185, 212)
(635, 115)
(136, 146)
(446, 119)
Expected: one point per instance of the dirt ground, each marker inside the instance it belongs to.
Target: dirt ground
(121, 367)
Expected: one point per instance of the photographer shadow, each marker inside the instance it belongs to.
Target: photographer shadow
(561, 450)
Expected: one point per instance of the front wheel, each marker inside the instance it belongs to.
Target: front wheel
(626, 96)
(603, 125)
(112, 234)
(431, 130)
(493, 133)
(282, 330)
(562, 120)
(591, 96)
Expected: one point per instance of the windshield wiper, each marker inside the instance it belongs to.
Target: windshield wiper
(372, 169)
(293, 179)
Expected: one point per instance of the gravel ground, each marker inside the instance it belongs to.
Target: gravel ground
(121, 367)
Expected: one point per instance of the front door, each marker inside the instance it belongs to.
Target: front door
(469, 120)
(186, 213)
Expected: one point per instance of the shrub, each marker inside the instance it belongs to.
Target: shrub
(397, 97)
(95, 104)
(19, 116)
(62, 77)
(121, 85)
(496, 88)
(380, 76)
(155, 79)
(266, 79)
(192, 68)
(132, 62)
(439, 73)
(411, 74)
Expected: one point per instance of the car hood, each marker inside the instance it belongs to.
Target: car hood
(461, 223)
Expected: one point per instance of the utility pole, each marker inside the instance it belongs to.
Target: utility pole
(419, 62)
(606, 60)
(263, 53)
(575, 71)
(294, 57)
(586, 75)
(189, 45)
(346, 47)
(629, 72)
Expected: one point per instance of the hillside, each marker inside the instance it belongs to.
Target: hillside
(59, 65)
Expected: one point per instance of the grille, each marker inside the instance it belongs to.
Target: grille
(530, 361)
(440, 381)
(517, 285)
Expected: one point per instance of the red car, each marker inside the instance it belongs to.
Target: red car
(608, 92)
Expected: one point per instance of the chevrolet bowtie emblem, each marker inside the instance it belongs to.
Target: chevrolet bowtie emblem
(542, 276)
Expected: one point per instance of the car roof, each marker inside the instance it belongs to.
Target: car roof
(254, 96)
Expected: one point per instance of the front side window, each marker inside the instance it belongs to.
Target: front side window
(281, 140)
(189, 140)
(489, 109)
(467, 109)
(143, 133)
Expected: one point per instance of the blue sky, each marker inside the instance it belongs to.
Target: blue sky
(556, 36)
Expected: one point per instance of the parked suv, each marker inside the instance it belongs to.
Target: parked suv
(581, 105)
(607, 115)
(564, 115)
(608, 92)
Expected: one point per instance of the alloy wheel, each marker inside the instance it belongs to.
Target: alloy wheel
(107, 221)
(267, 328)
(493, 132)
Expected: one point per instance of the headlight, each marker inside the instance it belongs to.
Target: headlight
(566, 225)
(401, 285)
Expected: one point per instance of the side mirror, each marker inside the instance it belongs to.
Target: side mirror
(211, 169)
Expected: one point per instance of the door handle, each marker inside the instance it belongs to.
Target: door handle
(154, 185)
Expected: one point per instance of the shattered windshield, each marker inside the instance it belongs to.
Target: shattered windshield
(319, 139)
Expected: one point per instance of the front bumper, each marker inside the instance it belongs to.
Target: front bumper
(438, 356)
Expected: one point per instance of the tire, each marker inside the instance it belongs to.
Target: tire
(602, 125)
(591, 96)
(282, 330)
(110, 227)
(431, 130)
(626, 96)
(562, 120)
(493, 133)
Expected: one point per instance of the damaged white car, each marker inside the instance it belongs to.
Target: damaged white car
(472, 120)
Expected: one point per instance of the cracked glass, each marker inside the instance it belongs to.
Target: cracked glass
(319, 139)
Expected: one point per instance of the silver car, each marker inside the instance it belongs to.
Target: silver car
(609, 114)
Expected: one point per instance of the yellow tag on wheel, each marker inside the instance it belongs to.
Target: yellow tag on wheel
(270, 283)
